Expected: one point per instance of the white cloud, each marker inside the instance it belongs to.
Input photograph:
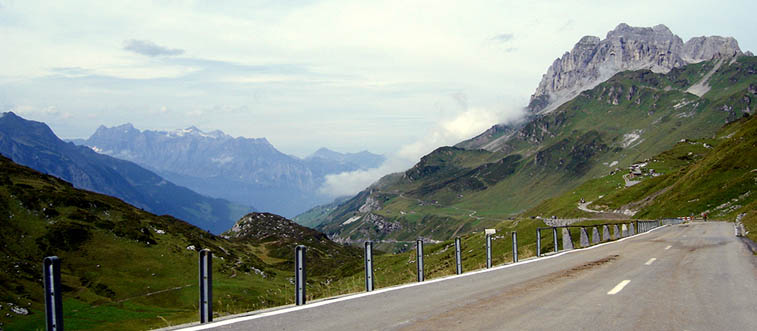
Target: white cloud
(149, 48)
(503, 37)
(446, 132)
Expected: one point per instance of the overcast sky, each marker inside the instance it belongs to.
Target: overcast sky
(390, 77)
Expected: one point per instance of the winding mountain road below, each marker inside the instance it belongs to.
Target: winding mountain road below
(696, 276)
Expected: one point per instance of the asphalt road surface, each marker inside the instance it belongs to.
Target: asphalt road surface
(684, 277)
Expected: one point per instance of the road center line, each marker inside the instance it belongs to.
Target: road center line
(667, 248)
(619, 287)
(650, 261)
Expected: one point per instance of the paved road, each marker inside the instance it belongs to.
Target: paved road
(684, 277)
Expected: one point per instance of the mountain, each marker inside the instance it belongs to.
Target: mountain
(127, 269)
(244, 170)
(632, 116)
(593, 60)
(33, 144)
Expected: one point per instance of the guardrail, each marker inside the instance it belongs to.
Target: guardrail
(610, 231)
(52, 284)
(672, 221)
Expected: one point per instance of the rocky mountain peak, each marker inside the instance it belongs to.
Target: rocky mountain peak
(17, 127)
(325, 153)
(593, 60)
(706, 48)
(624, 30)
(588, 41)
(195, 132)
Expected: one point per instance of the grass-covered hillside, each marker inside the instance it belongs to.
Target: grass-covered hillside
(716, 176)
(632, 116)
(124, 268)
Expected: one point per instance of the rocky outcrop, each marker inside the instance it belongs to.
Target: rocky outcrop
(371, 204)
(270, 227)
(382, 225)
(593, 60)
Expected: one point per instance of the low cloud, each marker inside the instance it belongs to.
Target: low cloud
(503, 38)
(44, 113)
(568, 25)
(149, 48)
(446, 132)
(71, 71)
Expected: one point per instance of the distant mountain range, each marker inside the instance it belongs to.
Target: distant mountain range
(33, 144)
(249, 171)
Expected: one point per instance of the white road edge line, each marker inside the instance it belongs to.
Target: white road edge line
(650, 261)
(327, 301)
(619, 287)
(667, 248)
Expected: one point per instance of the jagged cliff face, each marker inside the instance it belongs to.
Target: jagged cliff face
(592, 61)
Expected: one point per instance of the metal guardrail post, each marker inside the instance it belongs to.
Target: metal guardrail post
(488, 251)
(368, 266)
(567, 239)
(538, 242)
(606, 233)
(583, 237)
(206, 286)
(458, 256)
(53, 303)
(515, 246)
(419, 258)
(299, 275)
(554, 237)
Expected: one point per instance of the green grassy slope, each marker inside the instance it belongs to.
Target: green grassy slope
(123, 268)
(722, 183)
(716, 176)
